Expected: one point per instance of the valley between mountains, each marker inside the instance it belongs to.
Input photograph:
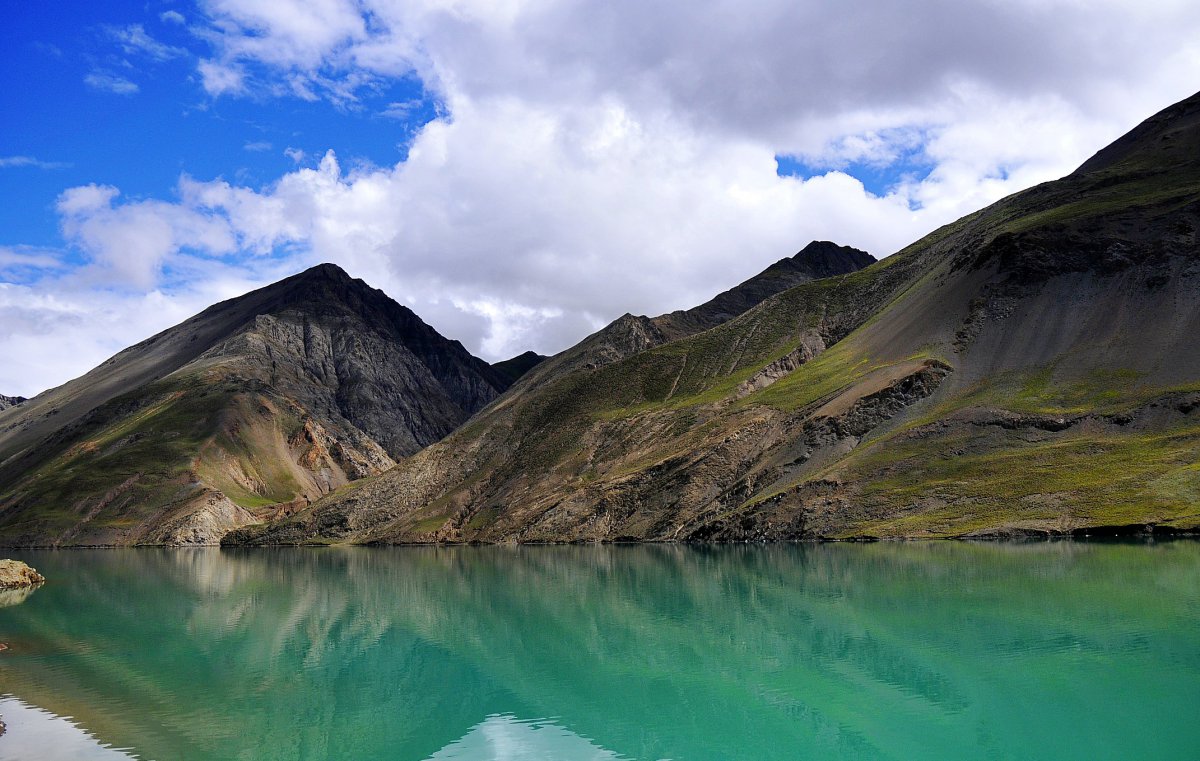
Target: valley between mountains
(1029, 370)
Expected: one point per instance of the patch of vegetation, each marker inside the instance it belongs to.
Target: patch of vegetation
(835, 369)
(708, 367)
(429, 525)
(484, 518)
(250, 444)
(1040, 391)
(150, 449)
(1120, 197)
(977, 480)
(130, 453)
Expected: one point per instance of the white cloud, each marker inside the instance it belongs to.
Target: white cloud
(134, 40)
(605, 215)
(30, 161)
(128, 244)
(600, 157)
(109, 82)
(220, 79)
(28, 262)
(172, 17)
(402, 110)
(257, 146)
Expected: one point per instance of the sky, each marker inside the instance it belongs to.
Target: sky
(521, 172)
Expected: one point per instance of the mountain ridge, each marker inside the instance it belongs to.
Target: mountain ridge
(1028, 369)
(630, 334)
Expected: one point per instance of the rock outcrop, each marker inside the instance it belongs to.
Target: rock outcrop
(14, 574)
(10, 401)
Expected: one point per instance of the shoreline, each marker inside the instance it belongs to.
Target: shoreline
(1095, 534)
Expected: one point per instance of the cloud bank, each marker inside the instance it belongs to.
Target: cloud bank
(594, 158)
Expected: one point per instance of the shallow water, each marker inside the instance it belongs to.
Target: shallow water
(924, 650)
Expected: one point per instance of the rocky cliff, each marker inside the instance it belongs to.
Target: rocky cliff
(9, 401)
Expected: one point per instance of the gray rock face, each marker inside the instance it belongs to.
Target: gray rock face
(9, 401)
(347, 352)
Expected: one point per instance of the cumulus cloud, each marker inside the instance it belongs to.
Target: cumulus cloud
(515, 225)
(221, 79)
(595, 157)
(128, 244)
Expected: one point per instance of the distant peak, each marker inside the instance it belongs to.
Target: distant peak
(514, 368)
(823, 258)
(829, 248)
(527, 355)
(326, 270)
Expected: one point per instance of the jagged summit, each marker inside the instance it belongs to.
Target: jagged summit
(630, 334)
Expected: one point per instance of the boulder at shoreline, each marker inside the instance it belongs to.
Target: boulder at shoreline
(14, 574)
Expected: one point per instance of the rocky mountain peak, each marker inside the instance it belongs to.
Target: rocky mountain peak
(327, 271)
(823, 258)
(819, 259)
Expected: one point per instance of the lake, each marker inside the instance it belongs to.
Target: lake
(938, 650)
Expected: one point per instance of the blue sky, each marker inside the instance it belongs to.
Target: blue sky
(93, 107)
(521, 172)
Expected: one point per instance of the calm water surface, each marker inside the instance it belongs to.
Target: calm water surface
(886, 651)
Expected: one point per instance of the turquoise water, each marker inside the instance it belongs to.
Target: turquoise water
(904, 651)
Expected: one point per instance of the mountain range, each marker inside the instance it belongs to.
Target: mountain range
(1030, 369)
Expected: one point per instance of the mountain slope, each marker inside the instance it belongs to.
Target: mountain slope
(247, 410)
(1031, 368)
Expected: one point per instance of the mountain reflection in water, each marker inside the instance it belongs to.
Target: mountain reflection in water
(939, 650)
